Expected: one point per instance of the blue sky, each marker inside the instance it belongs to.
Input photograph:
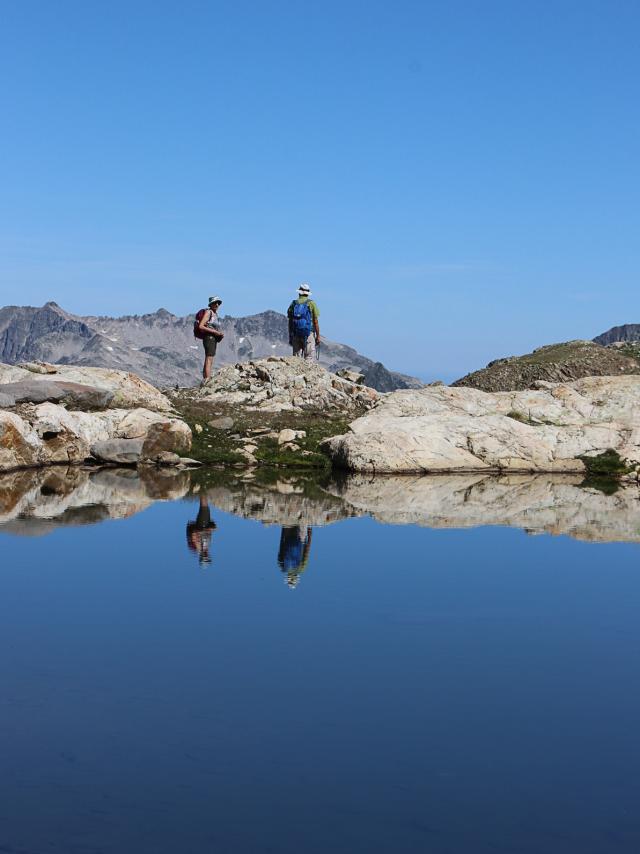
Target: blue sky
(457, 180)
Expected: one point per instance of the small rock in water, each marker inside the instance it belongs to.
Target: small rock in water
(166, 458)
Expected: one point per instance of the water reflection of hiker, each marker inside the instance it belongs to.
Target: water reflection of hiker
(207, 328)
(303, 317)
(293, 554)
(199, 532)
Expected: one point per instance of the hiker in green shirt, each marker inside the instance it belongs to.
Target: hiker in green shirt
(304, 329)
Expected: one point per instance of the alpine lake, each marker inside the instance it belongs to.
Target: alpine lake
(217, 663)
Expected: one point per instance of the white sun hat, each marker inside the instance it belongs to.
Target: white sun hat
(305, 290)
(214, 299)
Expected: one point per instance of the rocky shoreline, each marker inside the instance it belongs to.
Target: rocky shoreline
(288, 412)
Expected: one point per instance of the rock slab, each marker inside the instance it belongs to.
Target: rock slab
(447, 429)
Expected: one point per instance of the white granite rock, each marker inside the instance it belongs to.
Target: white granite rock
(462, 429)
(128, 390)
(286, 384)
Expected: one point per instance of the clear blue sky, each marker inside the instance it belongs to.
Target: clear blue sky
(456, 180)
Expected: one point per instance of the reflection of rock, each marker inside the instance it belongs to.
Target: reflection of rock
(39, 501)
(539, 504)
(462, 429)
(282, 503)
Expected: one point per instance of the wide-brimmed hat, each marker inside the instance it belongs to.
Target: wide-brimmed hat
(214, 299)
(305, 290)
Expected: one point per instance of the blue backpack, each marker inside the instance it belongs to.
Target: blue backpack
(301, 321)
(293, 555)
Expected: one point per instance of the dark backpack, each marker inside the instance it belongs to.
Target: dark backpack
(301, 320)
(197, 332)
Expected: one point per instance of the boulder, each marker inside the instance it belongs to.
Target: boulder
(352, 376)
(222, 423)
(32, 391)
(285, 384)
(127, 390)
(169, 435)
(73, 395)
(444, 429)
(20, 446)
(123, 451)
(166, 458)
(136, 423)
(39, 367)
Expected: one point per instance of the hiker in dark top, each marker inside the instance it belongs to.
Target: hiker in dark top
(199, 531)
(304, 329)
(293, 554)
(207, 327)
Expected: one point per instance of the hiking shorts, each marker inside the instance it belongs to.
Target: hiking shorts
(210, 345)
(305, 348)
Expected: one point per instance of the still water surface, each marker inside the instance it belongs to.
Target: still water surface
(171, 687)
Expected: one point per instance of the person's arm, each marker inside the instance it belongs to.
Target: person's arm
(289, 315)
(202, 326)
(316, 327)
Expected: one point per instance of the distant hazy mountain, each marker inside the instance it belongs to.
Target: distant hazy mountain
(160, 347)
(628, 333)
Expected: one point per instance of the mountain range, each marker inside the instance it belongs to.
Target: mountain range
(160, 346)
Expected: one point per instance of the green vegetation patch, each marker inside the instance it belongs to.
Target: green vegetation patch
(608, 464)
(213, 445)
(606, 485)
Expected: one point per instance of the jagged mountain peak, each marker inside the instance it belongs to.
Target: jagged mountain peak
(160, 346)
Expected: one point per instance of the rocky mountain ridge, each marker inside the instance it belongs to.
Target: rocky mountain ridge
(555, 363)
(613, 353)
(160, 347)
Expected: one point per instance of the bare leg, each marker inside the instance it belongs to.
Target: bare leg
(208, 364)
(310, 347)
